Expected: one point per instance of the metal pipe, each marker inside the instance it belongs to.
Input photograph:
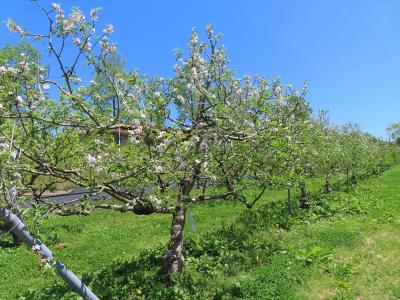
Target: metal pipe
(19, 229)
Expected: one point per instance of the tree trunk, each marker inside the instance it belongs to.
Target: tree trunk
(229, 185)
(353, 179)
(290, 210)
(304, 204)
(174, 259)
(328, 187)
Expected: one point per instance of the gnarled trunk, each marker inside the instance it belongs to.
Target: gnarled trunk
(174, 259)
(304, 204)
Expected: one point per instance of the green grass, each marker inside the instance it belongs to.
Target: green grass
(345, 247)
(368, 246)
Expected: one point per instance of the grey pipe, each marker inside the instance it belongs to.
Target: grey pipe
(19, 229)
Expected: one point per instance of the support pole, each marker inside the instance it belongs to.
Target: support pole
(19, 229)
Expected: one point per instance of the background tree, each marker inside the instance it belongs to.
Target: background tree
(394, 132)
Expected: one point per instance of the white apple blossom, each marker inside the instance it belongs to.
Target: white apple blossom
(154, 200)
(20, 101)
(92, 160)
(305, 88)
(56, 7)
(194, 73)
(180, 99)
(88, 46)
(36, 248)
(109, 29)
(35, 105)
(93, 14)
(12, 70)
(210, 30)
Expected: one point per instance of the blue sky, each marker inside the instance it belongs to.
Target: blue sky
(348, 51)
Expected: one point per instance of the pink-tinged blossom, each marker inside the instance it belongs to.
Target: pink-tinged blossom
(76, 16)
(137, 132)
(162, 147)
(3, 69)
(106, 47)
(109, 29)
(77, 42)
(13, 27)
(59, 17)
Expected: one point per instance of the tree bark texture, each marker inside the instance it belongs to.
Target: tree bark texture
(328, 187)
(174, 259)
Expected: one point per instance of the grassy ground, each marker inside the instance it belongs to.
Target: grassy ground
(340, 256)
(366, 248)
